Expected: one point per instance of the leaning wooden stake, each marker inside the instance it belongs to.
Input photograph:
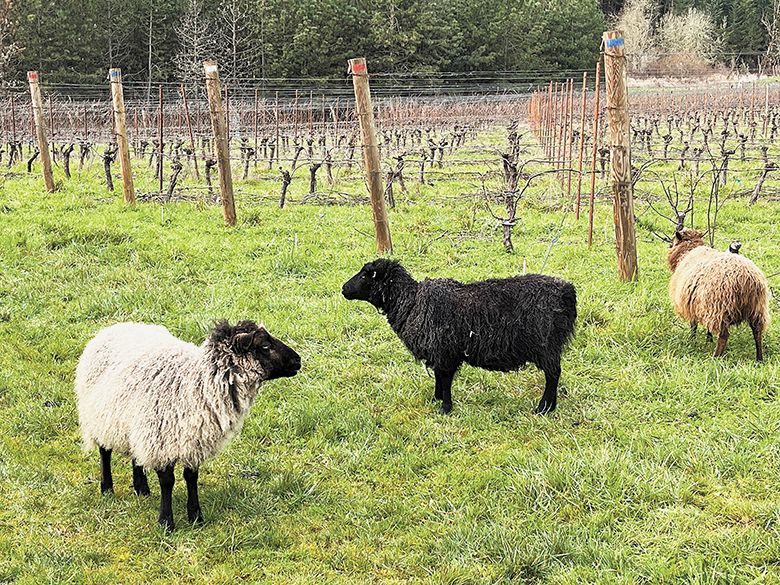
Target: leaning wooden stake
(117, 95)
(40, 129)
(220, 141)
(620, 153)
(365, 113)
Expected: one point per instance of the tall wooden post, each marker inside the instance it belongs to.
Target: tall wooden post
(117, 95)
(620, 153)
(221, 150)
(40, 129)
(365, 113)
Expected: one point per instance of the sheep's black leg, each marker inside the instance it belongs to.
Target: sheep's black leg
(140, 484)
(437, 390)
(552, 373)
(709, 336)
(722, 339)
(757, 334)
(167, 480)
(443, 389)
(106, 481)
(193, 503)
(694, 325)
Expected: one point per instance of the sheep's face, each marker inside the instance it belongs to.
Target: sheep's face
(276, 359)
(253, 353)
(367, 284)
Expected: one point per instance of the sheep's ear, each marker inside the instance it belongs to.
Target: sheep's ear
(243, 341)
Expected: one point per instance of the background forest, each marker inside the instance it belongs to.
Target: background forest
(74, 41)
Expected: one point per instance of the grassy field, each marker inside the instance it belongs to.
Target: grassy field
(661, 463)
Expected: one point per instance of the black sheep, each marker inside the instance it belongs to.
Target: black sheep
(498, 324)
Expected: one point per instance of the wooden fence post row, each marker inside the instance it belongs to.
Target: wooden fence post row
(221, 146)
(552, 121)
(365, 113)
(40, 129)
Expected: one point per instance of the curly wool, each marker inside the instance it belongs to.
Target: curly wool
(716, 289)
(497, 324)
(144, 392)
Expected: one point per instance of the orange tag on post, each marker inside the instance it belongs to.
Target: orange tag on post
(359, 68)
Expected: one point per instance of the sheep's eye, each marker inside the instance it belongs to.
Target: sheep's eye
(265, 347)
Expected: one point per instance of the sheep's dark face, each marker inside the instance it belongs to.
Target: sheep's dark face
(367, 284)
(276, 359)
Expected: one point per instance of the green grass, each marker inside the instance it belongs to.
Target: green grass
(661, 463)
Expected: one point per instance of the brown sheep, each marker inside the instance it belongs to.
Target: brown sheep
(716, 289)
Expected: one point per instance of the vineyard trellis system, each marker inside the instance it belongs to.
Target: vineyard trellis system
(727, 130)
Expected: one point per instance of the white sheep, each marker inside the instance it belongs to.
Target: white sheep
(161, 400)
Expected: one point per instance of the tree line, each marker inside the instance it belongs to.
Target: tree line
(75, 41)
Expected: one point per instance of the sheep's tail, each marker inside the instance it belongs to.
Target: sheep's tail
(569, 298)
(762, 315)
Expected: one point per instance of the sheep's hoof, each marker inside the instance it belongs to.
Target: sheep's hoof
(142, 490)
(106, 488)
(544, 408)
(196, 517)
(446, 408)
(167, 524)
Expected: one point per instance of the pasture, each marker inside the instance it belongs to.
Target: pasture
(661, 463)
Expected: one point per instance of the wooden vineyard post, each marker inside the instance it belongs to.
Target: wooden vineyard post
(582, 144)
(620, 153)
(40, 129)
(117, 95)
(221, 149)
(365, 113)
